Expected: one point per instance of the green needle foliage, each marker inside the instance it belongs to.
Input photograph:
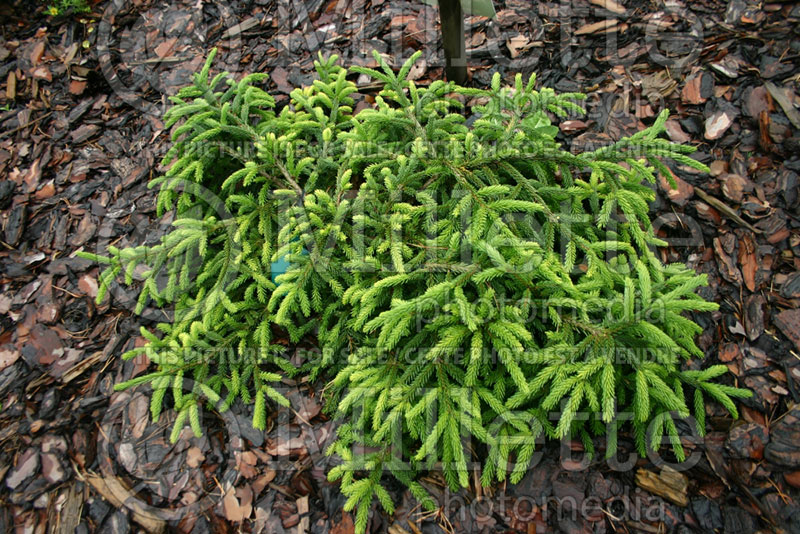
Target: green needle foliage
(464, 282)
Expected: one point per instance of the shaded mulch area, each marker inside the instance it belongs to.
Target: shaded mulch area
(81, 96)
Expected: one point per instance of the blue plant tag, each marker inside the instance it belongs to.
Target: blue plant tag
(279, 267)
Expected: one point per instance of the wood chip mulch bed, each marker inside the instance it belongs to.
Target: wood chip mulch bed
(81, 96)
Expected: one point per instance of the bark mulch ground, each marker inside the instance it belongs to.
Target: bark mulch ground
(81, 96)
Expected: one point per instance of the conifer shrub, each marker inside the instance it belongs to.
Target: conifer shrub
(464, 280)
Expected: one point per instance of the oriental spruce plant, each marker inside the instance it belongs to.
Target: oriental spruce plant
(471, 286)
